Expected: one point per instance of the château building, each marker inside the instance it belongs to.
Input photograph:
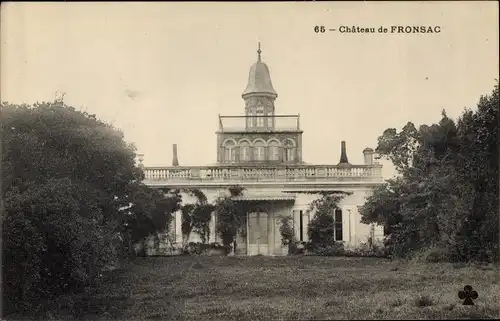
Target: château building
(261, 151)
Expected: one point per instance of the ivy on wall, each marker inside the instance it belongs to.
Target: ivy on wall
(321, 227)
(196, 217)
(232, 215)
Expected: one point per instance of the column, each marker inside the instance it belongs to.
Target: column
(296, 224)
(270, 232)
(178, 227)
(305, 224)
(354, 238)
(346, 225)
(212, 238)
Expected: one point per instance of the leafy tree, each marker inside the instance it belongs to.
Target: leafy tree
(447, 194)
(231, 216)
(150, 214)
(286, 230)
(321, 229)
(196, 217)
(71, 192)
(186, 222)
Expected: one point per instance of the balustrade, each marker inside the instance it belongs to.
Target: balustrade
(249, 173)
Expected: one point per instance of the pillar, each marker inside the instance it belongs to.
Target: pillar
(213, 233)
(346, 225)
(353, 222)
(296, 224)
(178, 227)
(270, 233)
(305, 224)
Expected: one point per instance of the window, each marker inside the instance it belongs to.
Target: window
(259, 151)
(274, 151)
(229, 151)
(244, 151)
(338, 225)
(260, 117)
(289, 151)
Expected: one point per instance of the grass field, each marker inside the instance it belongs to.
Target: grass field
(291, 288)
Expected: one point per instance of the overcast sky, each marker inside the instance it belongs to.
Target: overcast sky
(162, 72)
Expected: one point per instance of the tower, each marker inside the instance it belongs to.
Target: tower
(259, 96)
(260, 136)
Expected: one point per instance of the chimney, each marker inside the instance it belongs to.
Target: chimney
(175, 160)
(343, 154)
(368, 152)
(140, 159)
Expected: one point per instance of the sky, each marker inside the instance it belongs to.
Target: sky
(162, 72)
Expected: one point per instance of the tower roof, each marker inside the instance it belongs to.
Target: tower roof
(259, 78)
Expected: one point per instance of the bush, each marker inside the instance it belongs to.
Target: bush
(199, 248)
(333, 249)
(296, 248)
(367, 249)
(52, 245)
(433, 254)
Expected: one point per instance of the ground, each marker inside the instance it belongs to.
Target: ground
(292, 288)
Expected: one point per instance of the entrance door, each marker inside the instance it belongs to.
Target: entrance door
(257, 233)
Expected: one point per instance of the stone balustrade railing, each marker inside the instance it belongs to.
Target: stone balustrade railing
(268, 173)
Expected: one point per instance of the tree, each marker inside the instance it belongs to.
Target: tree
(71, 190)
(447, 194)
(196, 217)
(149, 214)
(231, 216)
(321, 229)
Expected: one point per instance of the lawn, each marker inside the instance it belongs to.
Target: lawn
(291, 288)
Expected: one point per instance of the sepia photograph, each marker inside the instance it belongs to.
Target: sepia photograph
(249, 160)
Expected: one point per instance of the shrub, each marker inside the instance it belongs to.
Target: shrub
(199, 248)
(323, 249)
(52, 245)
(367, 249)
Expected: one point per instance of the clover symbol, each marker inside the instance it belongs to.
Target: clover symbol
(468, 294)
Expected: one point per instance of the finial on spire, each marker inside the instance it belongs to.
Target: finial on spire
(259, 52)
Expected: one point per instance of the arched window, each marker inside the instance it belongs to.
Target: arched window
(289, 150)
(274, 151)
(259, 150)
(230, 151)
(244, 151)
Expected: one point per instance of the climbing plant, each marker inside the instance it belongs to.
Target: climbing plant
(286, 230)
(321, 227)
(231, 216)
(196, 217)
(186, 222)
(201, 216)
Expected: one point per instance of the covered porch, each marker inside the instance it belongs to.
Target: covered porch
(261, 234)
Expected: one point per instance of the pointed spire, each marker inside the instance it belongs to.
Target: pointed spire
(343, 154)
(259, 79)
(175, 160)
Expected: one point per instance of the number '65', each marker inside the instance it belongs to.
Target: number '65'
(319, 29)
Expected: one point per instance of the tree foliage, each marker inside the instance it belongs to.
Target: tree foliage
(446, 195)
(73, 200)
(231, 216)
(321, 228)
(196, 217)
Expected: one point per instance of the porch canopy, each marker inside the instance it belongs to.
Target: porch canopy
(256, 198)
